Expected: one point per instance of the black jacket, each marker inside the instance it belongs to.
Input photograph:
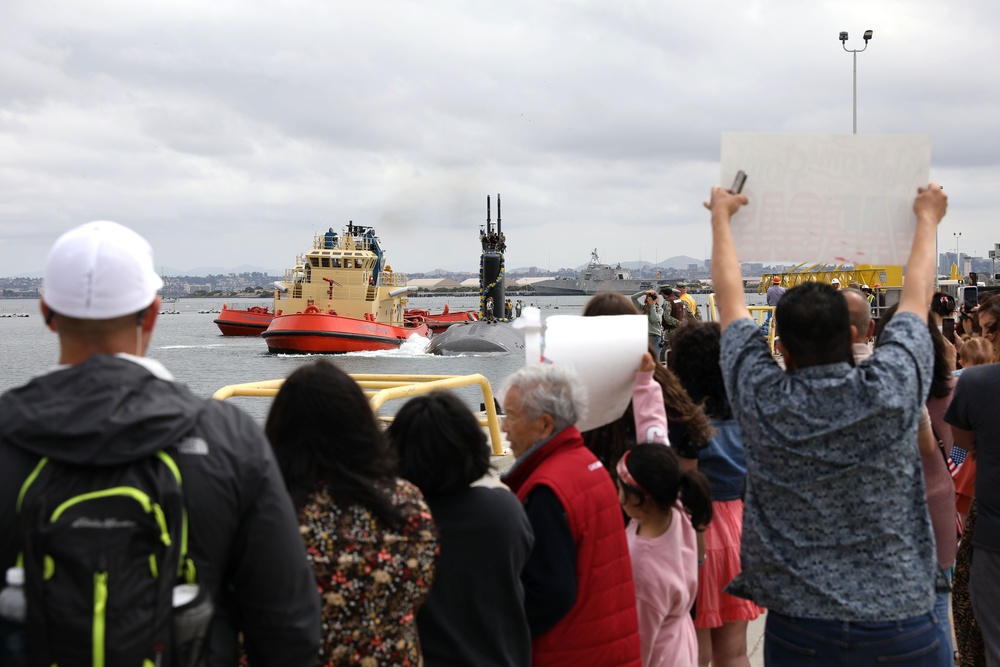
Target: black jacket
(244, 536)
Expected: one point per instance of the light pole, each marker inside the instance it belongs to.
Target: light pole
(843, 42)
(958, 257)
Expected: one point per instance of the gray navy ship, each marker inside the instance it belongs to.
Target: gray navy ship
(597, 277)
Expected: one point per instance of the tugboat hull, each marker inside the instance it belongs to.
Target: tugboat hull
(322, 333)
(243, 322)
(439, 322)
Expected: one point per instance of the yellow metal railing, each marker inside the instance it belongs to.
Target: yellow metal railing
(757, 312)
(382, 388)
(825, 273)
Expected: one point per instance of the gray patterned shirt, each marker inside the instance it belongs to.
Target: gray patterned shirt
(835, 524)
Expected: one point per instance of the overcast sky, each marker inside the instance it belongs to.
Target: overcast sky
(228, 132)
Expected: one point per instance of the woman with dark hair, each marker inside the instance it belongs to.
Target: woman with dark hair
(664, 504)
(988, 319)
(687, 427)
(475, 612)
(721, 619)
(369, 535)
(942, 306)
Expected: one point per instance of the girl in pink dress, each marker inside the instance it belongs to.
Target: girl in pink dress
(664, 505)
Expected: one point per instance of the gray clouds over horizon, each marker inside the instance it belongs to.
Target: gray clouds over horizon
(228, 132)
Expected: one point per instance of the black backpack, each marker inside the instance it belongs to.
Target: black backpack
(102, 549)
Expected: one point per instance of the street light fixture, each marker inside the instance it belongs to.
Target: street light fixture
(843, 42)
(958, 257)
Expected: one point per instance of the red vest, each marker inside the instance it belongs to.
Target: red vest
(601, 629)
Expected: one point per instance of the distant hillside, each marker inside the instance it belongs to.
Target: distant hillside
(219, 270)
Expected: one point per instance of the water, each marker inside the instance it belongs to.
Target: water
(191, 347)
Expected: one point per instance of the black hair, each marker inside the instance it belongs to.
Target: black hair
(323, 432)
(942, 304)
(657, 470)
(609, 303)
(439, 443)
(941, 375)
(815, 325)
(694, 359)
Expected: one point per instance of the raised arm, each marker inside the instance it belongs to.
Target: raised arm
(726, 276)
(930, 206)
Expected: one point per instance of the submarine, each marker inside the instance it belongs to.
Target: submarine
(492, 333)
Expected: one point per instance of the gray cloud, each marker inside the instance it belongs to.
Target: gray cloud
(228, 133)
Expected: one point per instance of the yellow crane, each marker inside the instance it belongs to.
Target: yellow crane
(863, 274)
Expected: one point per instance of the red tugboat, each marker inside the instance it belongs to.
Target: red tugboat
(243, 321)
(316, 332)
(253, 321)
(341, 297)
(441, 321)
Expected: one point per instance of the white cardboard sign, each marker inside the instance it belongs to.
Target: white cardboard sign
(605, 351)
(843, 199)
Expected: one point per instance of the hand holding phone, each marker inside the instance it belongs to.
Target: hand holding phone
(948, 329)
(738, 182)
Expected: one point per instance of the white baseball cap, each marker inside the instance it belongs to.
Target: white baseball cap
(99, 271)
(835, 281)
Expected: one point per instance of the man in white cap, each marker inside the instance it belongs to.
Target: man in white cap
(836, 283)
(106, 404)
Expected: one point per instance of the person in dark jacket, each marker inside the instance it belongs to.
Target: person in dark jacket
(474, 614)
(106, 404)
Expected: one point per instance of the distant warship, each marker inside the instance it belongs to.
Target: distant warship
(597, 277)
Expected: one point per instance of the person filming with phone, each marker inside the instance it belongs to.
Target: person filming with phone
(648, 303)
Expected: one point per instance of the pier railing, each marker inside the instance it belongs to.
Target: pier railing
(383, 388)
(762, 315)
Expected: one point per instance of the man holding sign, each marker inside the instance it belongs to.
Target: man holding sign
(837, 542)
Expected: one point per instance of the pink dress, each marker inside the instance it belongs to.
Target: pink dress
(665, 571)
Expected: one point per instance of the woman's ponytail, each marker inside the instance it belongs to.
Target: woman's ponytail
(696, 497)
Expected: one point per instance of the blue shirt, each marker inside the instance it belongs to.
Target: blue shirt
(835, 524)
(723, 460)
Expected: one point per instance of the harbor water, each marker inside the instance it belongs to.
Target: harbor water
(191, 347)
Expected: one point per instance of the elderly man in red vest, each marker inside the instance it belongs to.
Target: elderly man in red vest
(578, 589)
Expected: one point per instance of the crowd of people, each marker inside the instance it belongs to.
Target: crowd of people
(819, 489)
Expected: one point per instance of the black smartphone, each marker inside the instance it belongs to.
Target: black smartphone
(970, 296)
(948, 329)
(738, 182)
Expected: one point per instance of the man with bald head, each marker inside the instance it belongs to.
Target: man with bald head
(862, 324)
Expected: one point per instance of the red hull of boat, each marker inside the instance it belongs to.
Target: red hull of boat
(441, 321)
(321, 333)
(243, 322)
